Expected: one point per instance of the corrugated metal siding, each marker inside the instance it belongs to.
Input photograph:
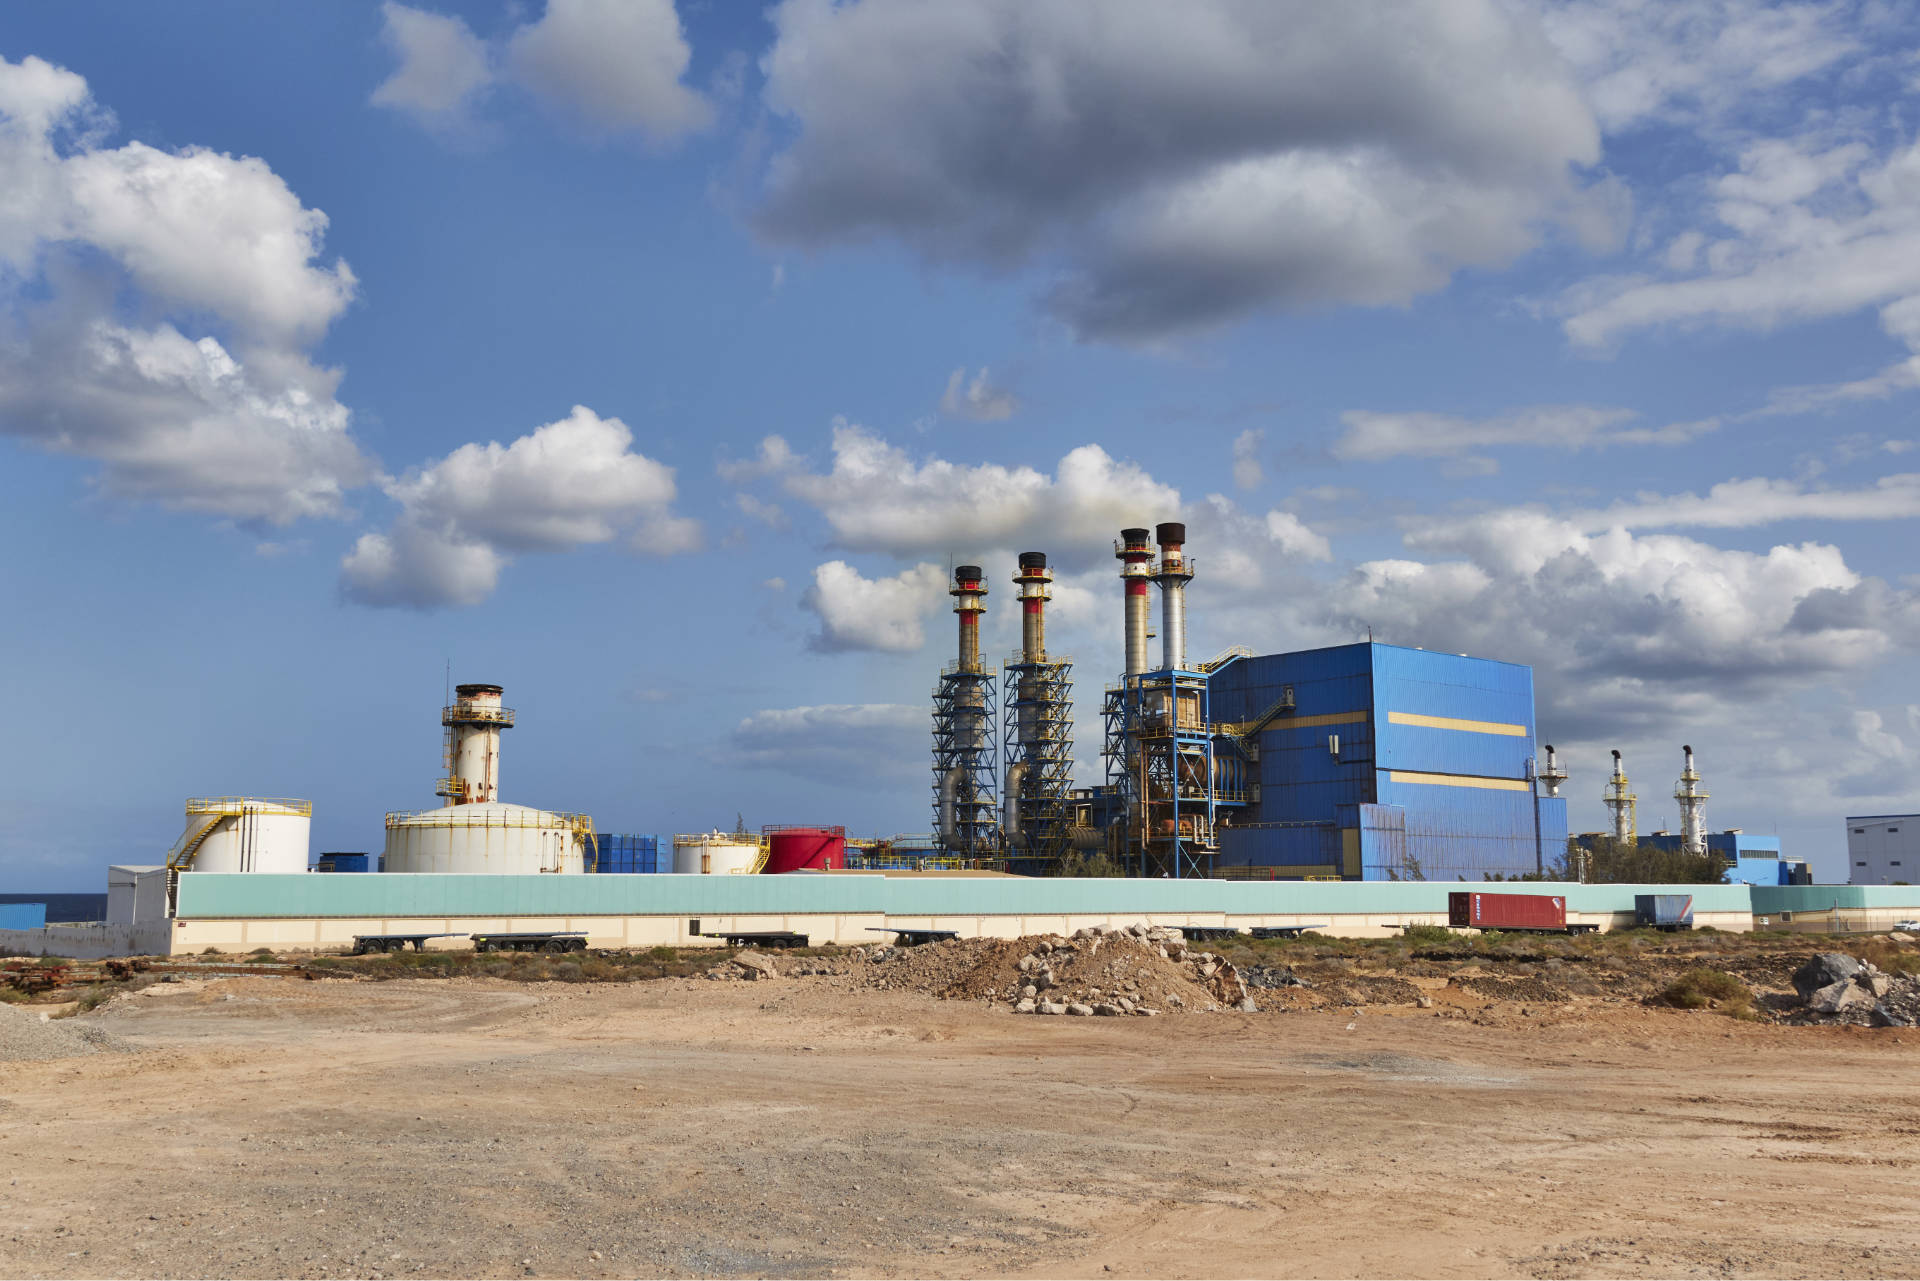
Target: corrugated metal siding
(1464, 833)
(624, 854)
(1314, 846)
(1426, 683)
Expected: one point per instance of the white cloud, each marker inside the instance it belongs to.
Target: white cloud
(979, 399)
(618, 64)
(1247, 472)
(773, 458)
(883, 615)
(1805, 229)
(878, 498)
(835, 743)
(1291, 535)
(567, 484)
(1180, 165)
(1371, 436)
(443, 65)
(614, 65)
(1619, 621)
(769, 514)
(1693, 60)
(157, 311)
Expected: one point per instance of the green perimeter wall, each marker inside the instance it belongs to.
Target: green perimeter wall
(215, 895)
(1771, 900)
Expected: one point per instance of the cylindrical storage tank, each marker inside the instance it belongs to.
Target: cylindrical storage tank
(715, 853)
(488, 838)
(793, 849)
(249, 834)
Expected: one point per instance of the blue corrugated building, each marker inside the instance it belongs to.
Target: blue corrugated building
(628, 854)
(1386, 763)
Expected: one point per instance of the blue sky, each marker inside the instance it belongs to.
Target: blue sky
(657, 363)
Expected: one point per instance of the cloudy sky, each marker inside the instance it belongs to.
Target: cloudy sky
(657, 362)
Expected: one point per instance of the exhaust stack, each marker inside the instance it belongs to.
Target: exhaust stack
(1172, 574)
(471, 750)
(1693, 806)
(1552, 774)
(1136, 557)
(1622, 804)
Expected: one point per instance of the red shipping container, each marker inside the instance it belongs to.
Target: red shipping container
(1507, 911)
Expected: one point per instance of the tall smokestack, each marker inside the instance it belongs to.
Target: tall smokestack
(1173, 573)
(472, 749)
(1552, 775)
(1622, 804)
(969, 585)
(1693, 806)
(1036, 588)
(1136, 556)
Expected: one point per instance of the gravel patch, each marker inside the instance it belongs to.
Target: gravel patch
(24, 1036)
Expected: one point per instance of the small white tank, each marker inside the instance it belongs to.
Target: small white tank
(716, 853)
(244, 834)
(488, 838)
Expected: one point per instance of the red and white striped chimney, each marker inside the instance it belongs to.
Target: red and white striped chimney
(1135, 553)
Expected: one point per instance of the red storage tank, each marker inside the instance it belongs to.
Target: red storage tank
(795, 849)
(1507, 911)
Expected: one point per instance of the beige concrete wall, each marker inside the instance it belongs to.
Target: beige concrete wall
(336, 934)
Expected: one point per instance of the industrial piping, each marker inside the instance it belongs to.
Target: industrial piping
(1136, 554)
(1172, 575)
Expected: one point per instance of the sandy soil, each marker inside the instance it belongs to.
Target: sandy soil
(476, 1127)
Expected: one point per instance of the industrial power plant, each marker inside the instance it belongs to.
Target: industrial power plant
(1355, 764)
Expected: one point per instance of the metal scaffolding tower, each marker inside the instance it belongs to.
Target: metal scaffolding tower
(1039, 754)
(965, 767)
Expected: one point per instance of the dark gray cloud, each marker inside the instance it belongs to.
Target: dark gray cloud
(1178, 165)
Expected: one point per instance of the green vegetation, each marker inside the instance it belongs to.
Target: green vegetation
(1703, 989)
(1097, 864)
(1610, 862)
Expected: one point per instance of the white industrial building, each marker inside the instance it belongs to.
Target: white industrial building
(1883, 849)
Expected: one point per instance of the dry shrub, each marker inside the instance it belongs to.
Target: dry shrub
(1704, 989)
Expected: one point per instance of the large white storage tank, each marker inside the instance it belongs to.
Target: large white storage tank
(716, 853)
(489, 837)
(243, 834)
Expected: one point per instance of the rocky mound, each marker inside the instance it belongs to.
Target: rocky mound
(1837, 988)
(1102, 970)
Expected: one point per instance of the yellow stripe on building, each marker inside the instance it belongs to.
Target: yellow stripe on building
(1449, 722)
(1325, 718)
(1459, 780)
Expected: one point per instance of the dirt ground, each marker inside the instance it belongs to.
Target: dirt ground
(266, 1127)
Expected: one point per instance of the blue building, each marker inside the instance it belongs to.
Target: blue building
(1374, 762)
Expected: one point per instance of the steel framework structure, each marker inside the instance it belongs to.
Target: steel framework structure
(1038, 729)
(963, 738)
(1162, 772)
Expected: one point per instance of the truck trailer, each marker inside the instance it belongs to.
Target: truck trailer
(1663, 911)
(1515, 913)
